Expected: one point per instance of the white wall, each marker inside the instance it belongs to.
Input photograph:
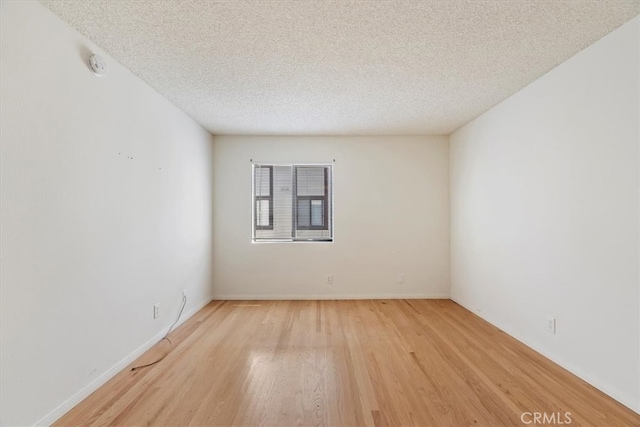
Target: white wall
(391, 217)
(106, 210)
(545, 209)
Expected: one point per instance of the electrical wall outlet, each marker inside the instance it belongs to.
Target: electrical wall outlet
(400, 279)
(551, 325)
(329, 279)
(156, 311)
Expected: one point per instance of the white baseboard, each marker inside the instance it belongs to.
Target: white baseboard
(597, 383)
(244, 297)
(57, 413)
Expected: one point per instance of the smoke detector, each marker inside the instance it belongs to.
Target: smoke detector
(98, 66)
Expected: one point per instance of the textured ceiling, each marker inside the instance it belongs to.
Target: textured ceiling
(341, 67)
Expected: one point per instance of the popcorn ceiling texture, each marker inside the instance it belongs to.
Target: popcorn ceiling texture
(341, 67)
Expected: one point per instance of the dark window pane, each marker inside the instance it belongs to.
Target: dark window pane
(263, 181)
(304, 214)
(262, 212)
(317, 213)
(310, 181)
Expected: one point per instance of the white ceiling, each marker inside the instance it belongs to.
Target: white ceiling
(341, 67)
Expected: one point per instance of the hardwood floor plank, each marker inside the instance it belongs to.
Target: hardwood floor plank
(343, 363)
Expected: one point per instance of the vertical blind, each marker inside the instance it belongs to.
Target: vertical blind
(292, 202)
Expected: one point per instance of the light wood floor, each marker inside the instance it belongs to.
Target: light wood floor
(344, 363)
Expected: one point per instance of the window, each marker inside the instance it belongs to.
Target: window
(263, 196)
(312, 197)
(292, 202)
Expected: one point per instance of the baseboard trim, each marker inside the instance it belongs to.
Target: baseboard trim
(563, 363)
(65, 407)
(243, 297)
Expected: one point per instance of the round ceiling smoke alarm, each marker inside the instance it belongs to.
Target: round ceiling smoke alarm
(98, 66)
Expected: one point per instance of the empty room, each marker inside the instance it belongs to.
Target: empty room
(320, 213)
